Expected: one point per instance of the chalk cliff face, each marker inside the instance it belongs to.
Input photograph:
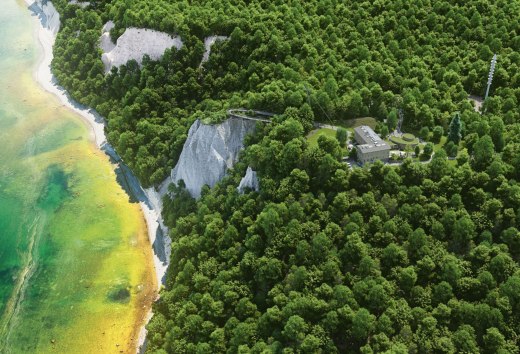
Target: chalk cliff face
(209, 151)
(250, 180)
(49, 17)
(134, 43)
(208, 43)
(82, 4)
(105, 42)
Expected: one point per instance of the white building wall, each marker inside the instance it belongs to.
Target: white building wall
(372, 156)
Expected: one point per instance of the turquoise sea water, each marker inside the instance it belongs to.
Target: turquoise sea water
(76, 273)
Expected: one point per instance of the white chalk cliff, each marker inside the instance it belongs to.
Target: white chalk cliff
(49, 17)
(208, 43)
(82, 4)
(134, 43)
(209, 151)
(105, 42)
(250, 180)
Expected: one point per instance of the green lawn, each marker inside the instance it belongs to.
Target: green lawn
(356, 122)
(313, 136)
(439, 146)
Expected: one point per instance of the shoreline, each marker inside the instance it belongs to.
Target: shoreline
(151, 207)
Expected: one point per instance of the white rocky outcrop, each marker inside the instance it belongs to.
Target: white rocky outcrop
(208, 42)
(250, 180)
(49, 17)
(105, 42)
(107, 27)
(82, 4)
(134, 43)
(209, 151)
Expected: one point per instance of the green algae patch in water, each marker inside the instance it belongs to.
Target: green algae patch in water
(119, 293)
(55, 189)
(76, 270)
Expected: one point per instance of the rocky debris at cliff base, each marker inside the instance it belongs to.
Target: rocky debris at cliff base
(133, 44)
(249, 181)
(209, 151)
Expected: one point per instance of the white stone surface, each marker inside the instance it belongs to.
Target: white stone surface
(46, 12)
(82, 4)
(250, 180)
(107, 27)
(208, 42)
(105, 42)
(209, 151)
(134, 43)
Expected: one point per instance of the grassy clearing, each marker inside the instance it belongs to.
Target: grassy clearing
(313, 136)
(356, 122)
(440, 145)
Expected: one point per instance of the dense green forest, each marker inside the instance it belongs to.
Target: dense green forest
(420, 258)
(355, 58)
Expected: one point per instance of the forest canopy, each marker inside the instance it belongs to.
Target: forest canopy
(419, 258)
(346, 59)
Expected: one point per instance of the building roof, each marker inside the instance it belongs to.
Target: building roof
(367, 135)
(369, 141)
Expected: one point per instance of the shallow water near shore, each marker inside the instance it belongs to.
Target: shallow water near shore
(76, 271)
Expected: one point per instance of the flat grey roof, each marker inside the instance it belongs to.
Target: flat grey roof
(367, 135)
(369, 141)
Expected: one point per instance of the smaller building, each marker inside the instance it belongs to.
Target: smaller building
(404, 141)
(370, 146)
